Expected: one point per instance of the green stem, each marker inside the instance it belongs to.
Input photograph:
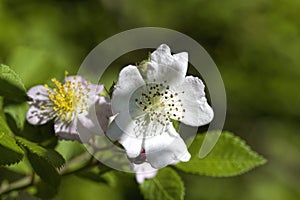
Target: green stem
(31, 180)
(89, 165)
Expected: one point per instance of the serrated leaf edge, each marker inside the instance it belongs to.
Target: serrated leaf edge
(160, 186)
(34, 152)
(19, 153)
(236, 140)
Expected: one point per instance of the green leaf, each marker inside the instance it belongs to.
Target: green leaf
(230, 156)
(176, 124)
(52, 156)
(11, 153)
(11, 85)
(45, 191)
(44, 169)
(43, 134)
(10, 175)
(166, 185)
(4, 128)
(18, 113)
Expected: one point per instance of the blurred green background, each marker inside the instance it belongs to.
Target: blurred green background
(255, 44)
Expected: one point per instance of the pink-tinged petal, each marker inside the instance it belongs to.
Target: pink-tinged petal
(93, 93)
(76, 80)
(95, 89)
(103, 112)
(97, 117)
(95, 121)
(165, 67)
(166, 148)
(37, 116)
(197, 111)
(89, 121)
(140, 158)
(38, 93)
(144, 171)
(66, 131)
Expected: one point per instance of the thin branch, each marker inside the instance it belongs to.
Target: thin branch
(21, 184)
(29, 181)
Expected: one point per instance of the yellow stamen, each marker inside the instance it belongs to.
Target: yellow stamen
(69, 98)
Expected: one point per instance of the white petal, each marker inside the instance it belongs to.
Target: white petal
(90, 121)
(114, 132)
(95, 89)
(165, 149)
(103, 112)
(94, 92)
(129, 81)
(37, 116)
(76, 80)
(95, 121)
(132, 145)
(144, 171)
(127, 133)
(165, 67)
(38, 93)
(86, 133)
(197, 111)
(66, 131)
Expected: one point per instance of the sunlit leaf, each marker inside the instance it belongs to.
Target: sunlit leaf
(11, 153)
(11, 86)
(42, 134)
(167, 185)
(4, 128)
(18, 113)
(230, 156)
(52, 156)
(44, 169)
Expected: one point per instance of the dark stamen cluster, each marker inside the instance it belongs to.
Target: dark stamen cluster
(160, 103)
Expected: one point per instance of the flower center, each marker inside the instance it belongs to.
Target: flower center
(68, 98)
(160, 103)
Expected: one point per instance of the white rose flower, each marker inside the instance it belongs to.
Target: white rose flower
(147, 99)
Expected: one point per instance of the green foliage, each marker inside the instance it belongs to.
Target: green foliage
(230, 156)
(11, 86)
(9, 175)
(176, 124)
(4, 128)
(43, 134)
(254, 43)
(44, 162)
(44, 169)
(167, 185)
(70, 149)
(52, 156)
(18, 113)
(11, 153)
(44, 191)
